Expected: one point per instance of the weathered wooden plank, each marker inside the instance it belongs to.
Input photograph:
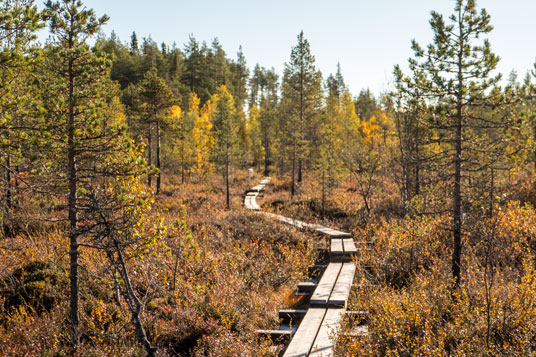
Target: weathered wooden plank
(341, 290)
(251, 203)
(325, 286)
(304, 338)
(257, 188)
(291, 315)
(323, 345)
(281, 336)
(349, 246)
(336, 247)
(332, 232)
(307, 287)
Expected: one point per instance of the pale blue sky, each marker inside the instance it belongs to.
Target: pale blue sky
(367, 37)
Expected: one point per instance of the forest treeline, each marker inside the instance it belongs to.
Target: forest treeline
(91, 127)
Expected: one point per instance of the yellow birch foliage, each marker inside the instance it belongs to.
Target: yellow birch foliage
(255, 135)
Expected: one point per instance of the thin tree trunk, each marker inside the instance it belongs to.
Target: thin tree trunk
(323, 191)
(302, 120)
(228, 198)
(9, 202)
(158, 162)
(134, 304)
(175, 273)
(457, 209)
(404, 189)
(150, 153)
(267, 154)
(457, 196)
(73, 217)
(417, 179)
(491, 193)
(182, 165)
(292, 184)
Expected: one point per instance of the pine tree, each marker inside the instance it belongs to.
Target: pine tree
(157, 99)
(365, 104)
(328, 154)
(256, 85)
(335, 84)
(240, 75)
(134, 45)
(182, 126)
(76, 95)
(456, 72)
(268, 116)
(225, 128)
(301, 101)
(19, 20)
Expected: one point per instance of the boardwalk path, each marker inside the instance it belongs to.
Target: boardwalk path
(314, 335)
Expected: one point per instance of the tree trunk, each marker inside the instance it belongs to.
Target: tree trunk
(457, 209)
(457, 196)
(417, 179)
(9, 202)
(300, 175)
(491, 193)
(404, 189)
(182, 165)
(150, 154)
(134, 304)
(292, 184)
(158, 162)
(73, 217)
(323, 191)
(227, 196)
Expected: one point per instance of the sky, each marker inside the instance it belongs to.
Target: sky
(367, 37)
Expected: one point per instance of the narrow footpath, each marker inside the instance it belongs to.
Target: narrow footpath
(317, 325)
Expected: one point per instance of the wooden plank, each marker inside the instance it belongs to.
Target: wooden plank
(303, 339)
(323, 345)
(336, 247)
(332, 232)
(307, 287)
(315, 227)
(341, 290)
(247, 202)
(291, 315)
(281, 336)
(349, 246)
(250, 201)
(257, 188)
(325, 286)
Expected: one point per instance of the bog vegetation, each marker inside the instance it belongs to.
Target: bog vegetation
(122, 166)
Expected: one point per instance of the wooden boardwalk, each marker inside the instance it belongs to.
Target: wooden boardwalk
(327, 306)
